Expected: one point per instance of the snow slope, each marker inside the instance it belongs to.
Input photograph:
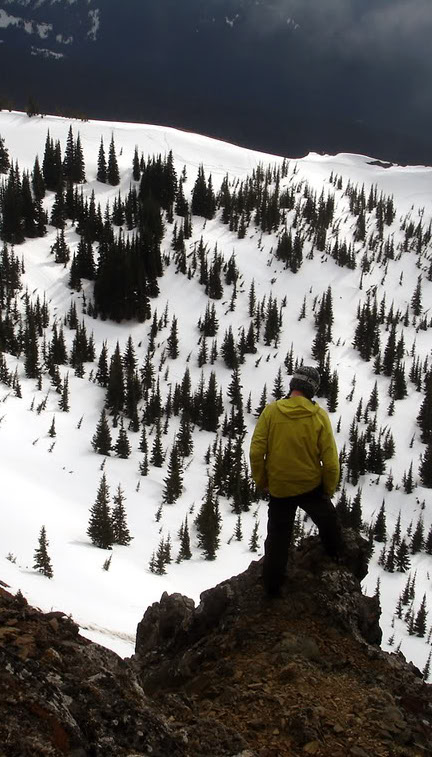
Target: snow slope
(56, 488)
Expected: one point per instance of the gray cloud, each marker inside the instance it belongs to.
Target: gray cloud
(383, 28)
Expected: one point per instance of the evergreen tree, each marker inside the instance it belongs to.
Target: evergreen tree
(52, 430)
(420, 619)
(208, 524)
(60, 249)
(427, 667)
(416, 300)
(229, 350)
(113, 174)
(100, 527)
(144, 465)
(379, 529)
(68, 161)
(254, 540)
(402, 557)
(173, 347)
(115, 396)
(38, 184)
(122, 446)
(64, 397)
(173, 482)
(278, 386)
(428, 542)
(102, 374)
(355, 514)
(407, 480)
(417, 539)
(136, 170)
(425, 469)
(120, 529)
(390, 560)
(157, 455)
(160, 561)
(185, 549)
(238, 533)
(4, 157)
(42, 561)
(78, 166)
(102, 441)
(101, 164)
(184, 438)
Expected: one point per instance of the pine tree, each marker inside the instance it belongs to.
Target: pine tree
(173, 347)
(428, 542)
(42, 562)
(122, 446)
(157, 455)
(185, 549)
(390, 560)
(379, 529)
(52, 430)
(425, 469)
(278, 386)
(64, 397)
(115, 396)
(420, 619)
(101, 164)
(113, 174)
(102, 374)
(407, 480)
(60, 249)
(427, 667)
(416, 300)
(160, 560)
(208, 524)
(78, 167)
(100, 527)
(254, 540)
(402, 557)
(417, 539)
(102, 440)
(144, 465)
(120, 529)
(355, 514)
(4, 157)
(173, 482)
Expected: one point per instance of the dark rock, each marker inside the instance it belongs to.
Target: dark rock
(238, 676)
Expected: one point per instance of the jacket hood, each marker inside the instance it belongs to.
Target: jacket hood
(297, 407)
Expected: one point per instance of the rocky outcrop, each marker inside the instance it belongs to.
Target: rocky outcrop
(237, 676)
(64, 695)
(302, 674)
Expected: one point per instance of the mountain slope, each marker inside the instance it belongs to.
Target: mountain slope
(55, 486)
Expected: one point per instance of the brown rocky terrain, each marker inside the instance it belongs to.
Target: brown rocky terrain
(237, 676)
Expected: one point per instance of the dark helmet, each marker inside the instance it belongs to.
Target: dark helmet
(306, 379)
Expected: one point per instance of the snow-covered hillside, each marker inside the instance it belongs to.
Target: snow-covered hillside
(53, 481)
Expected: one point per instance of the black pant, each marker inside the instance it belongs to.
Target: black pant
(281, 517)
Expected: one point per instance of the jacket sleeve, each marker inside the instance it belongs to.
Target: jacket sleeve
(329, 457)
(258, 451)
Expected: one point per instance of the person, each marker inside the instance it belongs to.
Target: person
(294, 458)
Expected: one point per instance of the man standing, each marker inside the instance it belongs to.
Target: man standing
(294, 457)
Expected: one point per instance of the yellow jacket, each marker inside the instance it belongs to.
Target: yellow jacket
(293, 449)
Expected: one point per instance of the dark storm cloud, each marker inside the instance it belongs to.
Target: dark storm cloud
(388, 29)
